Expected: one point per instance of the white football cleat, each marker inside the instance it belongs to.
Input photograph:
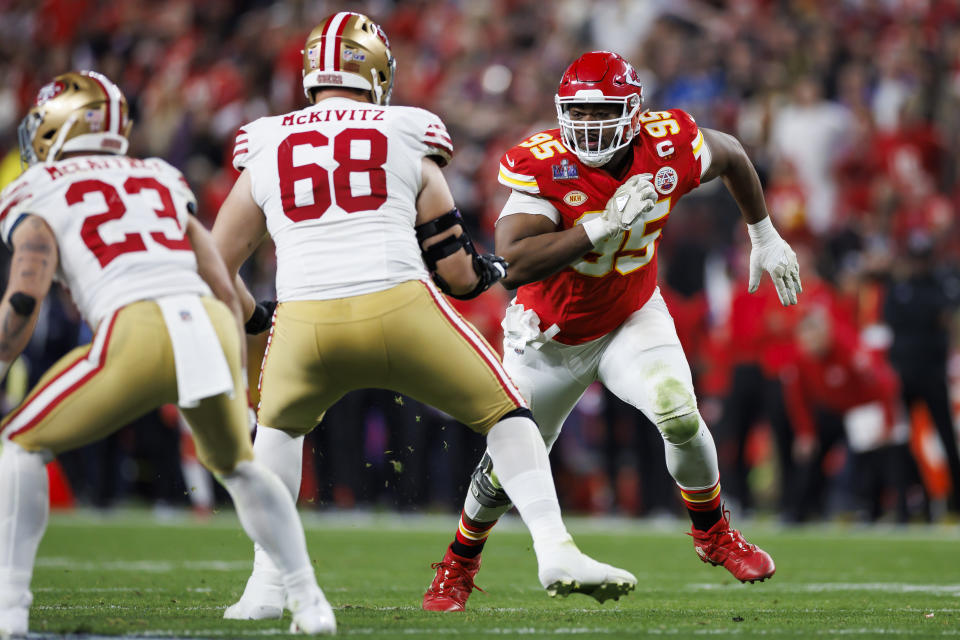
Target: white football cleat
(314, 616)
(14, 614)
(564, 569)
(13, 622)
(262, 599)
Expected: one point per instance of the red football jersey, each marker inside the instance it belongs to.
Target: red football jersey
(596, 294)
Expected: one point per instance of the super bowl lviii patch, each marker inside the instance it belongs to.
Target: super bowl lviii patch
(565, 170)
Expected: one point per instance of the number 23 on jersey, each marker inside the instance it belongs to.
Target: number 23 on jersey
(105, 251)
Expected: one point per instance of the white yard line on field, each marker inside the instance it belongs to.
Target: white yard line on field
(820, 587)
(147, 566)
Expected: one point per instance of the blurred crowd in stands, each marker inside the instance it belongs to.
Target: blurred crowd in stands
(839, 407)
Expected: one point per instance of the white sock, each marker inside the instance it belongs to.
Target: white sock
(693, 464)
(24, 507)
(270, 518)
(520, 459)
(283, 455)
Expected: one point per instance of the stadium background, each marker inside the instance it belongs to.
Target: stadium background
(848, 110)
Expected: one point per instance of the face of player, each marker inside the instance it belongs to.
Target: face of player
(592, 138)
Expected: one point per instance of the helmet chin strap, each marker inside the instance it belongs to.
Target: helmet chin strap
(377, 89)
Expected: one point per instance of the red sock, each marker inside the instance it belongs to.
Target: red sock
(703, 505)
(470, 538)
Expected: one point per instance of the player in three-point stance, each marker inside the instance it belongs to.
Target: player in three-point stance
(167, 329)
(351, 191)
(580, 231)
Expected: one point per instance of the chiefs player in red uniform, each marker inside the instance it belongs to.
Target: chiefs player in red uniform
(580, 231)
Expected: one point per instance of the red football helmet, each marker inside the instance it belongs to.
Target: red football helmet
(599, 77)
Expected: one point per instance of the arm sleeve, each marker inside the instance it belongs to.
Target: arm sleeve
(520, 202)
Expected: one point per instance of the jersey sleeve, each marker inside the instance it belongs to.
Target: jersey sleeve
(690, 143)
(518, 170)
(16, 202)
(433, 136)
(242, 148)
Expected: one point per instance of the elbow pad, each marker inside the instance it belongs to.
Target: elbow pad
(489, 267)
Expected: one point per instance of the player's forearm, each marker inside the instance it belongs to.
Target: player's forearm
(742, 181)
(537, 257)
(211, 268)
(31, 274)
(247, 302)
(15, 330)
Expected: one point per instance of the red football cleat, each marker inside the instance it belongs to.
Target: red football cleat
(453, 583)
(722, 545)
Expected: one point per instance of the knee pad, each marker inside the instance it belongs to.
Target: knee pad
(675, 411)
(485, 487)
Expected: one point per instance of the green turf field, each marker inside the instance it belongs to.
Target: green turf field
(129, 574)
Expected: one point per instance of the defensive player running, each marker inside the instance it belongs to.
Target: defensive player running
(351, 191)
(588, 307)
(116, 231)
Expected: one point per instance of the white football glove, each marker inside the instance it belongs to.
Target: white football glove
(630, 202)
(772, 254)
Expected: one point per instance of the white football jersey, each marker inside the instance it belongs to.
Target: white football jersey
(338, 183)
(120, 225)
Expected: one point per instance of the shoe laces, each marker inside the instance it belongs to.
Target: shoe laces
(724, 537)
(459, 577)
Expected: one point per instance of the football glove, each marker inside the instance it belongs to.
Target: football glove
(772, 254)
(629, 204)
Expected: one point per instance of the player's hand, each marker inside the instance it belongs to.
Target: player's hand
(633, 200)
(491, 268)
(262, 317)
(772, 254)
(629, 203)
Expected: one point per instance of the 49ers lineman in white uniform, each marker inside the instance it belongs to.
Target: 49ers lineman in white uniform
(116, 230)
(351, 191)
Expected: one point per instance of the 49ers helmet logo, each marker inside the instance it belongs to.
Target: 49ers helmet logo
(50, 91)
(666, 180)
